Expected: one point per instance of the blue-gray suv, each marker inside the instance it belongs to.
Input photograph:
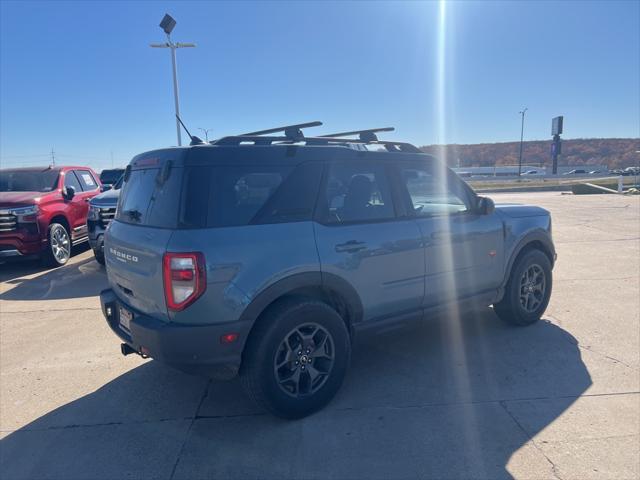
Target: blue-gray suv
(265, 255)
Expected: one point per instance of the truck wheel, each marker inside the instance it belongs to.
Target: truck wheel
(59, 246)
(99, 256)
(296, 357)
(528, 290)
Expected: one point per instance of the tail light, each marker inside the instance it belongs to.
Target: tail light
(185, 279)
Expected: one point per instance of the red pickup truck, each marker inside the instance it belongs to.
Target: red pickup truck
(43, 211)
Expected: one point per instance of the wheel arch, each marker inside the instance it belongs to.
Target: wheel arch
(327, 288)
(536, 240)
(62, 220)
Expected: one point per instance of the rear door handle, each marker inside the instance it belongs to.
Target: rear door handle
(351, 246)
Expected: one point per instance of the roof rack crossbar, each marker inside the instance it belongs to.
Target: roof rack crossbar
(323, 140)
(368, 135)
(290, 131)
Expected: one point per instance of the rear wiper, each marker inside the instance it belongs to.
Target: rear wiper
(133, 214)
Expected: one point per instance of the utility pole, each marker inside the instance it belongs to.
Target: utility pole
(521, 140)
(53, 157)
(206, 132)
(167, 24)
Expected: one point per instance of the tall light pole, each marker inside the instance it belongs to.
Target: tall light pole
(167, 24)
(521, 139)
(206, 133)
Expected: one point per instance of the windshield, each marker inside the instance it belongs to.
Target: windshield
(110, 176)
(28, 180)
(118, 184)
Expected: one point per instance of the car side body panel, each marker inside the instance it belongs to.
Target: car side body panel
(242, 262)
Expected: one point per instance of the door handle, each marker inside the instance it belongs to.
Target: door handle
(442, 235)
(351, 246)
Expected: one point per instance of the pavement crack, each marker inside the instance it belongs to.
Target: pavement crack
(92, 425)
(575, 342)
(205, 394)
(554, 467)
(604, 355)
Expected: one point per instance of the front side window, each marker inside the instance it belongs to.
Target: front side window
(87, 182)
(70, 180)
(432, 193)
(357, 192)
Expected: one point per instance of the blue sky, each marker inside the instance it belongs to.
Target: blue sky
(79, 77)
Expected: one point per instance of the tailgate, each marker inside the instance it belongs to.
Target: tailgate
(133, 257)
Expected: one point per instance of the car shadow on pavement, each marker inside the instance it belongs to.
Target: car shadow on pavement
(451, 398)
(16, 267)
(84, 278)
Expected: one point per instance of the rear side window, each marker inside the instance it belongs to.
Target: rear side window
(147, 199)
(357, 192)
(87, 182)
(248, 194)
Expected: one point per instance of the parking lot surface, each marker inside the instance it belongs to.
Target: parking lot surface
(456, 397)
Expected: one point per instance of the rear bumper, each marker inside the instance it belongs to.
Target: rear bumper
(192, 348)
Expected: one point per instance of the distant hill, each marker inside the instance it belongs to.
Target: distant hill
(613, 152)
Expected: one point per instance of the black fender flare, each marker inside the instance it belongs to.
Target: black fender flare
(327, 282)
(538, 235)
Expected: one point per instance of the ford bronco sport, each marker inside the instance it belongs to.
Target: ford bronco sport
(43, 211)
(266, 255)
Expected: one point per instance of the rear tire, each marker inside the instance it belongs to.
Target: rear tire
(296, 357)
(58, 246)
(528, 290)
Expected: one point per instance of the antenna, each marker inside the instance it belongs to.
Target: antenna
(53, 157)
(194, 140)
(364, 135)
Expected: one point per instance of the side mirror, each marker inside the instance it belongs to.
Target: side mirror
(486, 206)
(68, 193)
(106, 187)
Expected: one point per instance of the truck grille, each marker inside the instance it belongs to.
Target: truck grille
(7, 222)
(106, 215)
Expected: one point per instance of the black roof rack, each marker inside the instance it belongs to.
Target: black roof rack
(293, 134)
(290, 131)
(364, 135)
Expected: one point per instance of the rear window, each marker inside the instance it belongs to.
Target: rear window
(147, 200)
(225, 196)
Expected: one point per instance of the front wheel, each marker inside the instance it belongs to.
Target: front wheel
(296, 358)
(528, 290)
(99, 254)
(59, 246)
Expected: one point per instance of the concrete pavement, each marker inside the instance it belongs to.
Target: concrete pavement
(454, 398)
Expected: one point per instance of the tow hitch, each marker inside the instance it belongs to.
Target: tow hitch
(126, 349)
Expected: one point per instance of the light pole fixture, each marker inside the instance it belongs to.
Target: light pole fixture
(206, 133)
(522, 112)
(167, 24)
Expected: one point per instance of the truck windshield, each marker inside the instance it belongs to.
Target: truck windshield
(28, 180)
(110, 177)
